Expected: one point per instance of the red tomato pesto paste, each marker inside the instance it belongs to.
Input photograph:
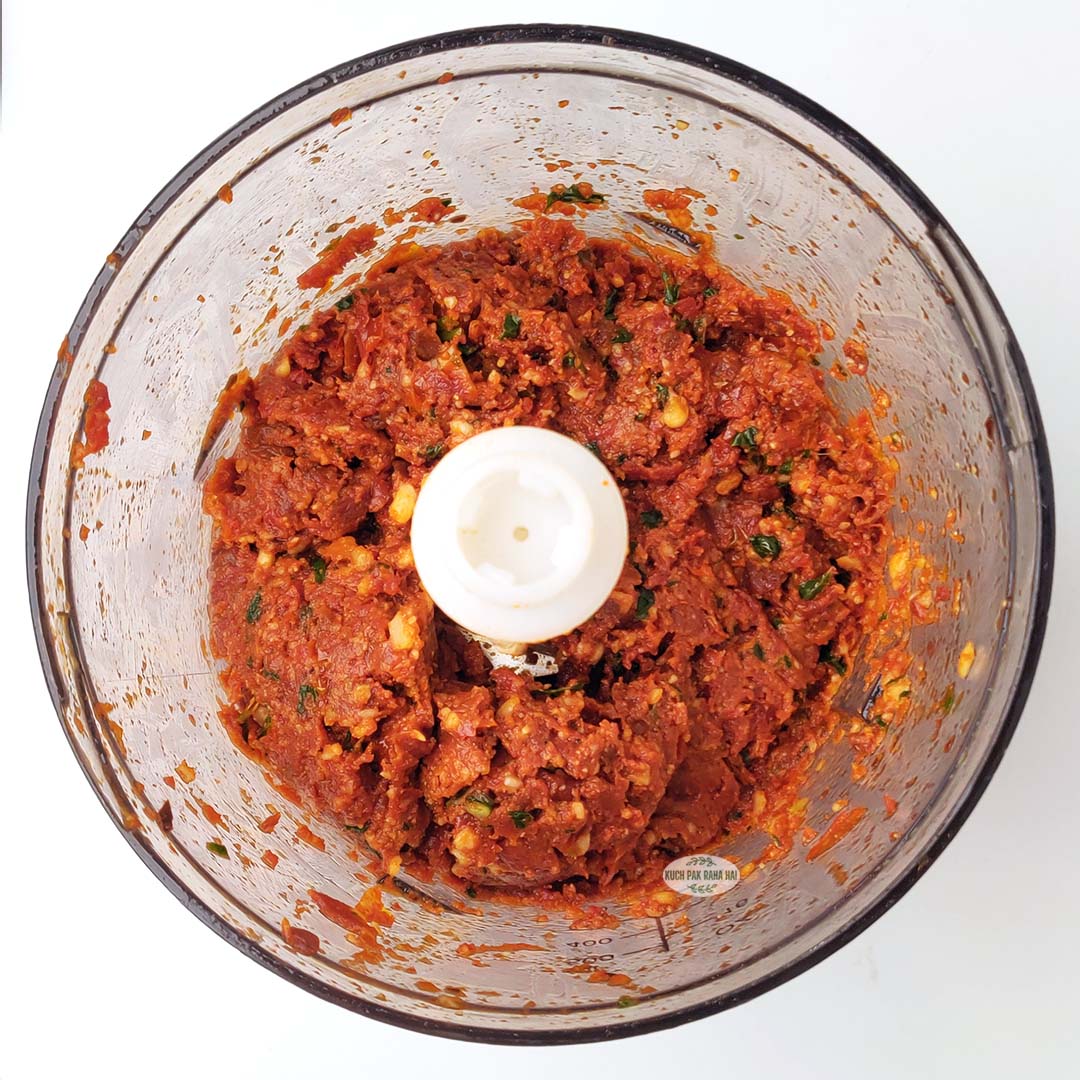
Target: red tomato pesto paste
(757, 542)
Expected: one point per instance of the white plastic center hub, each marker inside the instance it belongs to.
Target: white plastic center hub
(519, 535)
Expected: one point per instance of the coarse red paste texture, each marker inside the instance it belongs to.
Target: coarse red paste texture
(757, 539)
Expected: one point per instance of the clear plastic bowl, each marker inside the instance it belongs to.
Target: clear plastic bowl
(120, 608)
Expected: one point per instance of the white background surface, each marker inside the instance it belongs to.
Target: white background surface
(975, 973)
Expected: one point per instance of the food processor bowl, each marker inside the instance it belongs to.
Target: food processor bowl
(204, 285)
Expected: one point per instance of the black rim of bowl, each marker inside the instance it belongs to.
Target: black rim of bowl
(854, 142)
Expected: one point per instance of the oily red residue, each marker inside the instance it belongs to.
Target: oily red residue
(95, 424)
(445, 77)
(610, 978)
(269, 824)
(373, 917)
(308, 837)
(891, 805)
(663, 199)
(466, 950)
(225, 193)
(211, 814)
(301, 941)
(339, 116)
(165, 816)
(339, 913)
(674, 205)
(371, 909)
(64, 353)
(431, 210)
(856, 353)
(837, 829)
(84, 532)
(338, 254)
(270, 859)
(593, 917)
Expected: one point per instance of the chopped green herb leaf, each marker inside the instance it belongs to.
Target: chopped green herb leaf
(948, 701)
(573, 194)
(471, 893)
(746, 439)
(433, 451)
(359, 828)
(555, 691)
(318, 568)
(662, 394)
(307, 693)
(446, 328)
(520, 818)
(645, 600)
(651, 518)
(305, 612)
(593, 447)
(708, 291)
(467, 349)
(739, 236)
(220, 850)
(768, 547)
(787, 660)
(786, 467)
(446, 202)
(758, 651)
(255, 607)
(610, 302)
(268, 674)
(511, 326)
(812, 588)
(621, 336)
(345, 302)
(879, 721)
(671, 289)
(479, 804)
(625, 1002)
(569, 360)
(837, 663)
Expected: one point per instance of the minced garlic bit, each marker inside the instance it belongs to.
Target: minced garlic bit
(675, 412)
(401, 509)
